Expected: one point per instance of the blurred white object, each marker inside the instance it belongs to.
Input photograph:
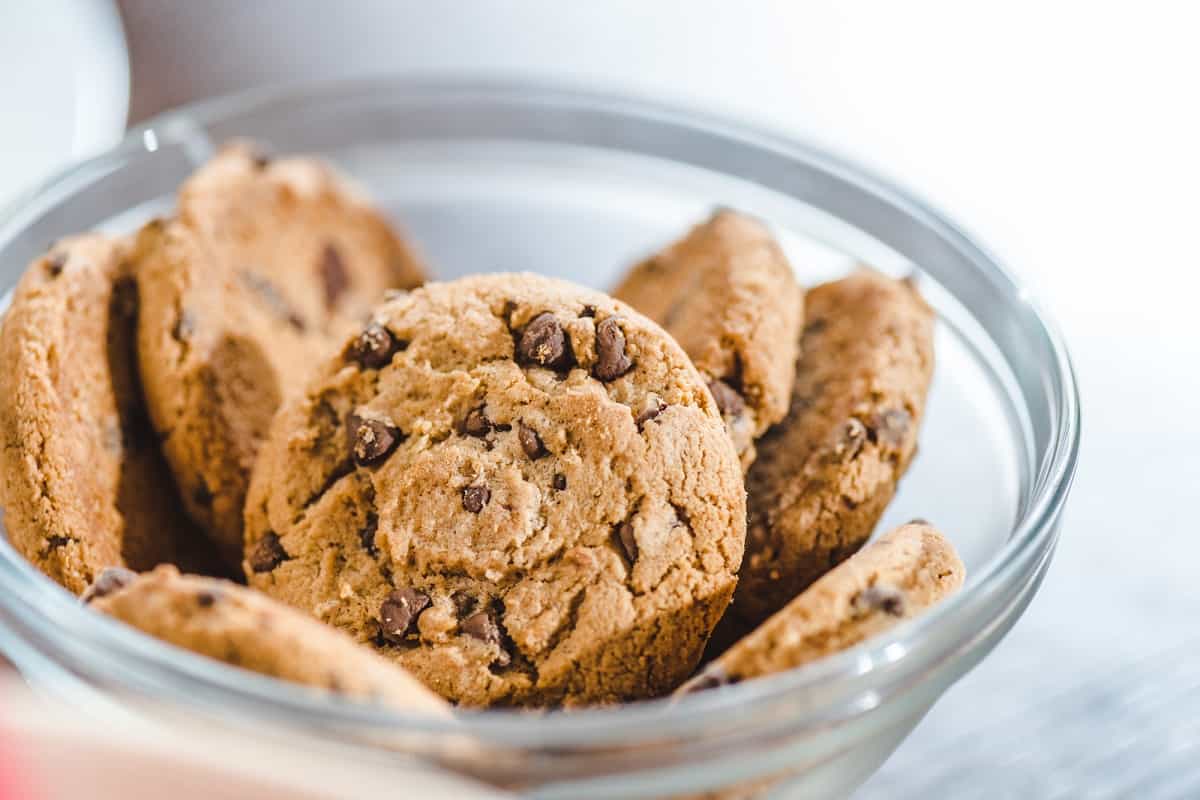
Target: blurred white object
(64, 88)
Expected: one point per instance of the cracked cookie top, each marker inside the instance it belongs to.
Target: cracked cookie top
(517, 488)
(265, 267)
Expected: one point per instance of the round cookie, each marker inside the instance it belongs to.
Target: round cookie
(890, 580)
(827, 471)
(519, 489)
(246, 629)
(84, 484)
(264, 268)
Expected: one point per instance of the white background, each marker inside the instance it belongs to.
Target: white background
(1064, 133)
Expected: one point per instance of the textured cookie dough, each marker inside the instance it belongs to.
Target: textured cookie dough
(84, 484)
(517, 488)
(265, 267)
(246, 629)
(890, 580)
(729, 297)
(826, 472)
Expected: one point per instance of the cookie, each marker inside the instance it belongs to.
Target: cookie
(246, 629)
(825, 474)
(264, 268)
(84, 485)
(518, 489)
(728, 295)
(890, 580)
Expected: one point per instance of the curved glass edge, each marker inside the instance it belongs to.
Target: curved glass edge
(892, 658)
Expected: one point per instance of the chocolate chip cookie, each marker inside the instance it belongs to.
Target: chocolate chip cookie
(247, 629)
(84, 485)
(826, 472)
(727, 294)
(518, 489)
(266, 265)
(888, 581)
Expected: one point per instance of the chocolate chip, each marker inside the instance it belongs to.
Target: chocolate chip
(334, 276)
(611, 360)
(366, 534)
(649, 413)
(560, 481)
(206, 599)
(729, 402)
(463, 602)
(627, 540)
(399, 611)
(110, 581)
(887, 599)
(268, 553)
(201, 496)
(544, 343)
(371, 440)
(474, 498)
(816, 326)
(481, 626)
(374, 347)
(476, 423)
(919, 521)
(55, 263)
(531, 443)
(588, 311)
(891, 427)
(56, 542)
(851, 438)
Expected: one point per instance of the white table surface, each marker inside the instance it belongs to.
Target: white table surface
(1066, 135)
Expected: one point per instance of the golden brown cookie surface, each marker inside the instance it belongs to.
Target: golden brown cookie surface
(84, 484)
(729, 297)
(890, 580)
(516, 488)
(825, 474)
(247, 629)
(266, 265)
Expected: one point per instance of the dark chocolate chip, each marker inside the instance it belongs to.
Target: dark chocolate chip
(611, 360)
(206, 599)
(399, 611)
(56, 542)
(268, 553)
(649, 413)
(887, 599)
(110, 581)
(371, 440)
(201, 496)
(891, 427)
(588, 311)
(560, 481)
(474, 498)
(729, 402)
(483, 627)
(366, 534)
(544, 343)
(531, 443)
(919, 521)
(55, 263)
(627, 540)
(374, 347)
(712, 677)
(476, 423)
(463, 602)
(335, 278)
(850, 441)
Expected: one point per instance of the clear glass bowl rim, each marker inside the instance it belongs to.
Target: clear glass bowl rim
(837, 688)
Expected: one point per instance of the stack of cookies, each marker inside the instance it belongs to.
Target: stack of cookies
(258, 431)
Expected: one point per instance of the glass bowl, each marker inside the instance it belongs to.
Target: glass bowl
(517, 176)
